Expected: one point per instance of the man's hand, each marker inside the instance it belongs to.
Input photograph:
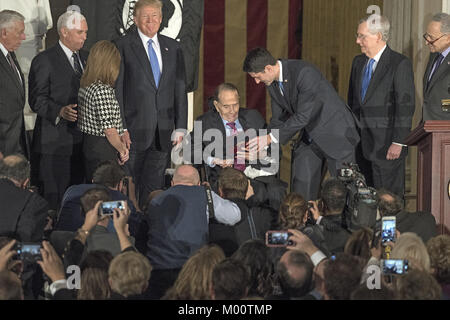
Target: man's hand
(69, 113)
(394, 152)
(301, 242)
(178, 138)
(120, 219)
(91, 218)
(6, 253)
(123, 157)
(125, 138)
(223, 163)
(314, 209)
(51, 263)
(258, 143)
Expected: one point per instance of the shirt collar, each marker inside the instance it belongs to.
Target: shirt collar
(280, 78)
(378, 55)
(66, 50)
(446, 52)
(4, 50)
(236, 122)
(145, 39)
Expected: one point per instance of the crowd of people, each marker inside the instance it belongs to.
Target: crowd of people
(107, 122)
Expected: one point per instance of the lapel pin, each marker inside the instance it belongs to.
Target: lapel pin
(166, 49)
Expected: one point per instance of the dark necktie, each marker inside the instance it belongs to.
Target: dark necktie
(366, 78)
(76, 64)
(436, 64)
(280, 83)
(154, 62)
(234, 131)
(13, 66)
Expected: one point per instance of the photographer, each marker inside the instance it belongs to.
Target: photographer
(330, 215)
(24, 213)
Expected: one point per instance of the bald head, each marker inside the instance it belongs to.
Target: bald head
(15, 167)
(186, 175)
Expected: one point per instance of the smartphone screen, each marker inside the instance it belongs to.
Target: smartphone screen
(394, 267)
(388, 229)
(108, 207)
(29, 251)
(278, 238)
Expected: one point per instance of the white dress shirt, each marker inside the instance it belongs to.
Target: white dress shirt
(155, 46)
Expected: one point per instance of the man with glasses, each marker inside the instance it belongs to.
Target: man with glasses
(382, 95)
(436, 80)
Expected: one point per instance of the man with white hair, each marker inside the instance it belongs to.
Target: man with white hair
(54, 82)
(381, 94)
(12, 91)
(436, 80)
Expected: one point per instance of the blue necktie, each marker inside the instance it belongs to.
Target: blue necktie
(436, 64)
(154, 62)
(366, 78)
(280, 83)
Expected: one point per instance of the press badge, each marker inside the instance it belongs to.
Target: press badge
(445, 105)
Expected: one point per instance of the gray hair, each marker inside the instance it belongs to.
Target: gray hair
(15, 167)
(66, 20)
(377, 23)
(8, 17)
(444, 19)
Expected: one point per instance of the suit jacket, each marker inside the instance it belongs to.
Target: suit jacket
(145, 107)
(437, 90)
(12, 100)
(53, 84)
(421, 223)
(386, 112)
(23, 213)
(311, 103)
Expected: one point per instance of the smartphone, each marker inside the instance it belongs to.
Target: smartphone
(394, 267)
(107, 208)
(30, 252)
(388, 229)
(278, 239)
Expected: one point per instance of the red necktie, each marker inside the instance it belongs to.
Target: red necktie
(236, 165)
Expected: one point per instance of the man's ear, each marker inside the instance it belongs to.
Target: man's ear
(215, 105)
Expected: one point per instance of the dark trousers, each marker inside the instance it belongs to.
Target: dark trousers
(148, 171)
(95, 151)
(306, 170)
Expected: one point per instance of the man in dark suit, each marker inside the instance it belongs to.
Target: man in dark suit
(436, 80)
(12, 90)
(381, 94)
(54, 81)
(151, 91)
(231, 120)
(302, 99)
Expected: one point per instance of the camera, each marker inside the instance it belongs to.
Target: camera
(388, 229)
(28, 252)
(278, 239)
(107, 208)
(394, 267)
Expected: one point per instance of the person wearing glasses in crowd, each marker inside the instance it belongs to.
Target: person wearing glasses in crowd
(436, 80)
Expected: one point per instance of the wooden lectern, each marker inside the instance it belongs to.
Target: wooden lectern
(432, 139)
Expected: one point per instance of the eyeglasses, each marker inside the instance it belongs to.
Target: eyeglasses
(360, 36)
(426, 36)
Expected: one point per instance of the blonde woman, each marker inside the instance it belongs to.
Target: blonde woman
(100, 119)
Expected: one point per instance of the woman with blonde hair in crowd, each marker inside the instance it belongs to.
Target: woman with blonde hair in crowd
(194, 279)
(410, 247)
(100, 118)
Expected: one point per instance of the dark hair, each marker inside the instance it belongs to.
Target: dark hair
(358, 244)
(334, 195)
(233, 183)
(390, 205)
(292, 211)
(15, 167)
(94, 276)
(257, 59)
(10, 286)
(342, 276)
(90, 198)
(295, 287)
(108, 174)
(364, 293)
(256, 257)
(230, 280)
(418, 285)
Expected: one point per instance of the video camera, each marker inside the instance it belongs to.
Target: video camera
(361, 208)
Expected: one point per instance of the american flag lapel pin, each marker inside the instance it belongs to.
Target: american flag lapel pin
(167, 49)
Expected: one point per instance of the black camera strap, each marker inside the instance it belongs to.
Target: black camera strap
(210, 203)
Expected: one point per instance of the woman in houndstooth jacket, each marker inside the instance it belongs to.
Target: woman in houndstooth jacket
(100, 119)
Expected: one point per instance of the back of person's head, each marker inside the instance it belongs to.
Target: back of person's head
(389, 204)
(94, 276)
(15, 167)
(295, 273)
(129, 273)
(364, 293)
(10, 286)
(334, 195)
(195, 278)
(410, 246)
(418, 285)
(186, 175)
(233, 184)
(108, 174)
(256, 257)
(230, 280)
(292, 211)
(439, 251)
(90, 198)
(342, 276)
(257, 59)
(359, 243)
(103, 64)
